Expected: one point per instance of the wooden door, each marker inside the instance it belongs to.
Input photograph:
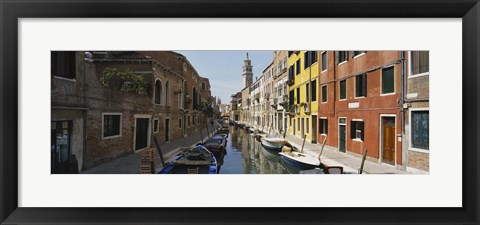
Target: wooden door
(388, 154)
(342, 138)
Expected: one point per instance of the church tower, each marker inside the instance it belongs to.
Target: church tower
(247, 73)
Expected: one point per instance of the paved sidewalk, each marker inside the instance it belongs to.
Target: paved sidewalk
(350, 163)
(130, 164)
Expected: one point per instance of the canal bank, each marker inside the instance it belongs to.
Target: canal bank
(130, 164)
(351, 164)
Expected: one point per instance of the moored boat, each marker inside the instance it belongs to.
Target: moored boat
(299, 159)
(198, 160)
(273, 143)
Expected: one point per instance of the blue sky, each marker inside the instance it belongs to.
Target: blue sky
(224, 68)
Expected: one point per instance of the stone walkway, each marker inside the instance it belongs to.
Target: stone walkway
(351, 164)
(130, 164)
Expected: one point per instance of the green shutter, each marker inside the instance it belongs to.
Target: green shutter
(388, 82)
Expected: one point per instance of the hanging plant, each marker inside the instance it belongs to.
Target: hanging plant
(124, 80)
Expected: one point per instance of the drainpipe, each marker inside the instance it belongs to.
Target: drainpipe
(403, 84)
(334, 90)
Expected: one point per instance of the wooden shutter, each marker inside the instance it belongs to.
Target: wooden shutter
(360, 127)
(352, 129)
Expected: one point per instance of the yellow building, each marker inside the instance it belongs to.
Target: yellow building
(303, 82)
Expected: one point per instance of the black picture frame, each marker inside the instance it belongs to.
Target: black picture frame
(12, 10)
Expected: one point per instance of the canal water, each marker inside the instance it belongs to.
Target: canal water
(245, 155)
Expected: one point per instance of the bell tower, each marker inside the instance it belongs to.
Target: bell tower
(247, 73)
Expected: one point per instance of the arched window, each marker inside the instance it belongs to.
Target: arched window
(167, 94)
(194, 98)
(158, 92)
(184, 94)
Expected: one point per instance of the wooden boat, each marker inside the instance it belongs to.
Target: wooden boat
(274, 143)
(198, 160)
(217, 145)
(301, 160)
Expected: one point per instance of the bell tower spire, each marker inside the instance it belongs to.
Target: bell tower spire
(247, 73)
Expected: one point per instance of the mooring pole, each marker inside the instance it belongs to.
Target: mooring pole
(159, 151)
(304, 137)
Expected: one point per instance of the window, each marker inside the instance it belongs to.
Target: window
(306, 60)
(63, 64)
(388, 80)
(323, 126)
(291, 74)
(193, 119)
(310, 57)
(342, 56)
(307, 90)
(167, 93)
(419, 62)
(314, 91)
(313, 57)
(420, 129)
(324, 61)
(356, 130)
(111, 125)
(355, 53)
(297, 67)
(158, 92)
(292, 97)
(155, 125)
(324, 93)
(179, 123)
(298, 95)
(343, 89)
(298, 124)
(361, 85)
(203, 86)
(189, 121)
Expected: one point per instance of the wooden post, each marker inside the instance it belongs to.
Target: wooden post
(323, 145)
(360, 171)
(159, 151)
(304, 137)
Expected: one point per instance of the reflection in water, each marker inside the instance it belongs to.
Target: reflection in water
(247, 156)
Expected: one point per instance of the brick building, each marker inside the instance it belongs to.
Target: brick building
(68, 111)
(132, 97)
(416, 105)
(360, 103)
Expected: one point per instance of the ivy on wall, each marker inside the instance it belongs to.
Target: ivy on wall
(124, 80)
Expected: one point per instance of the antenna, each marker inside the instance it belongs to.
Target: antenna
(247, 55)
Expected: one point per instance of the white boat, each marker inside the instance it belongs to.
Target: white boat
(301, 160)
(274, 143)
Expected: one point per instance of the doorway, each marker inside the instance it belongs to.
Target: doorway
(388, 140)
(142, 133)
(302, 128)
(61, 132)
(167, 129)
(342, 134)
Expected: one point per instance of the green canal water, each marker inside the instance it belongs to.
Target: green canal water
(245, 155)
